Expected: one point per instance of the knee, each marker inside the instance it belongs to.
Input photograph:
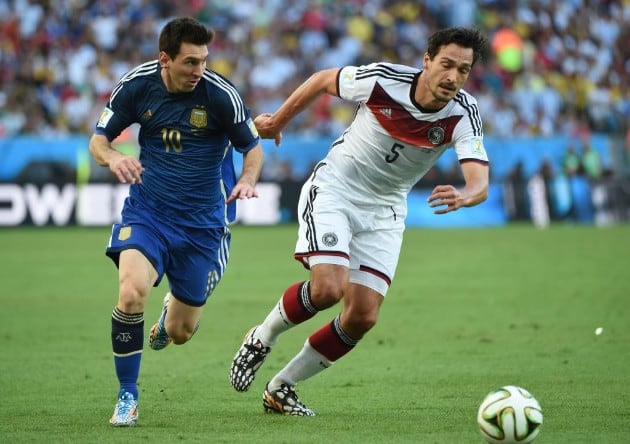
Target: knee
(325, 294)
(178, 336)
(363, 322)
(357, 324)
(180, 333)
(131, 297)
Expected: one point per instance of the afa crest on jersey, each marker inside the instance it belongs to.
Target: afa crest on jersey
(198, 118)
(124, 233)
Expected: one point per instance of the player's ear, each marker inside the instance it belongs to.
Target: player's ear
(426, 59)
(164, 59)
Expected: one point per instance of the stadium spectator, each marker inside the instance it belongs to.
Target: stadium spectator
(571, 162)
(591, 162)
(353, 206)
(537, 197)
(577, 51)
(515, 193)
(182, 194)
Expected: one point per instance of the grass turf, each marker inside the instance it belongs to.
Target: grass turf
(469, 311)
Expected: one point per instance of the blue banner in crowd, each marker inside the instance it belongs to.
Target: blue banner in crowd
(300, 153)
(66, 160)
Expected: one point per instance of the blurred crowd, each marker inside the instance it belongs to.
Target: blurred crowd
(555, 66)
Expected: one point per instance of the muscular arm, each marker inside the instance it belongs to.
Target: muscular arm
(475, 191)
(127, 168)
(325, 81)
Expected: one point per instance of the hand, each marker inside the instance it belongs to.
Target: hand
(445, 195)
(242, 190)
(265, 128)
(127, 169)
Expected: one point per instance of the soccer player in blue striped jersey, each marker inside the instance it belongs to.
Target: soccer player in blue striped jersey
(182, 194)
(352, 209)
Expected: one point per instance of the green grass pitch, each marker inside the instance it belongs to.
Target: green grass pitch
(469, 311)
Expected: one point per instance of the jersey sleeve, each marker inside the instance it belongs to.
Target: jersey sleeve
(243, 135)
(471, 149)
(355, 83)
(468, 134)
(235, 116)
(118, 113)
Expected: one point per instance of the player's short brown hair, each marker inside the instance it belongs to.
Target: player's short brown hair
(464, 37)
(183, 30)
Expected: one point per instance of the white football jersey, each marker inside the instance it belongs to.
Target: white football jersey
(392, 141)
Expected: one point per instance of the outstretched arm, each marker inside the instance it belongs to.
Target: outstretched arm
(476, 176)
(269, 126)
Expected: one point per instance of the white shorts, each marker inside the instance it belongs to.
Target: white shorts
(333, 230)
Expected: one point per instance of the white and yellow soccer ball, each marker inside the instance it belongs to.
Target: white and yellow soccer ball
(509, 415)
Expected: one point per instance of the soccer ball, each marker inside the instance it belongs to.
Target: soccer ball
(509, 414)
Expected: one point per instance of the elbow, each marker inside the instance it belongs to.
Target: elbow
(95, 152)
(327, 81)
(92, 150)
(483, 196)
(92, 146)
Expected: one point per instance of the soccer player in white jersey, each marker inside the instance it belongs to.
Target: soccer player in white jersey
(352, 208)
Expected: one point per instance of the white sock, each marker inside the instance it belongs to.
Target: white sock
(275, 323)
(307, 363)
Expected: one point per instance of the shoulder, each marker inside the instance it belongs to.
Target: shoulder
(219, 90)
(464, 98)
(357, 82)
(465, 102)
(219, 85)
(137, 77)
(141, 72)
(392, 71)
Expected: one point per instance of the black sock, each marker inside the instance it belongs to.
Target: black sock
(127, 340)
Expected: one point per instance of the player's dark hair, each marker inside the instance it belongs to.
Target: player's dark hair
(464, 37)
(183, 30)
